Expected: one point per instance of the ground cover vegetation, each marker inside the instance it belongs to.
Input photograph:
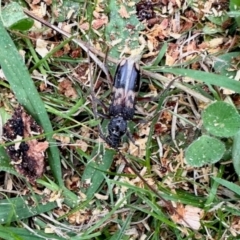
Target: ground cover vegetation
(60, 180)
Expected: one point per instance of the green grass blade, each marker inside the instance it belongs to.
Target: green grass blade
(152, 127)
(229, 185)
(208, 78)
(236, 153)
(5, 163)
(94, 171)
(15, 209)
(14, 18)
(27, 95)
(213, 191)
(161, 54)
(13, 233)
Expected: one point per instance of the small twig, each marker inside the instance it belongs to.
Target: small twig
(195, 94)
(169, 207)
(192, 105)
(173, 127)
(171, 210)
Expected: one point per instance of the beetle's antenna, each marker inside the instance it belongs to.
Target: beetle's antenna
(171, 210)
(162, 96)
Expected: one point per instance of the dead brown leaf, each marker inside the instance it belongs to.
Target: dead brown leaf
(73, 183)
(82, 145)
(41, 47)
(188, 216)
(101, 20)
(82, 71)
(67, 89)
(79, 217)
(123, 12)
(65, 140)
(84, 26)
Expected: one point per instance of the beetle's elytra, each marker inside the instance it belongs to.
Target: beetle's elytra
(125, 87)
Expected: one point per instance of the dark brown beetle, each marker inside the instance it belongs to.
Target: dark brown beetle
(125, 87)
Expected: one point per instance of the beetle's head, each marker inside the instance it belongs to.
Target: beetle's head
(116, 129)
(117, 126)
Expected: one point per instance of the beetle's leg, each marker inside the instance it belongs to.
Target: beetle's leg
(147, 99)
(95, 102)
(103, 115)
(109, 77)
(144, 99)
(155, 99)
(101, 103)
(101, 134)
(139, 121)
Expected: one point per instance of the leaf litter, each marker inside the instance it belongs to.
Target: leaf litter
(162, 22)
(27, 157)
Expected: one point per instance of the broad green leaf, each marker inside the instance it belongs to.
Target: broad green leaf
(5, 163)
(122, 32)
(221, 119)
(19, 208)
(229, 185)
(64, 8)
(236, 153)
(4, 116)
(209, 29)
(218, 20)
(205, 150)
(208, 78)
(234, 14)
(14, 18)
(234, 5)
(226, 64)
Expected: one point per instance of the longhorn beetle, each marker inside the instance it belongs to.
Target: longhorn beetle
(125, 87)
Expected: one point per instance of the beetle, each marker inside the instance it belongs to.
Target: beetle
(126, 85)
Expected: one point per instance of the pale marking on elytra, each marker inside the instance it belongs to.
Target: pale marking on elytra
(120, 98)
